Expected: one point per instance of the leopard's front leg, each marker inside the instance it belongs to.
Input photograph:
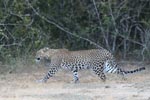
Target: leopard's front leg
(75, 75)
(50, 73)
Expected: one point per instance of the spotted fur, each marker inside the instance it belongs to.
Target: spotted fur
(100, 61)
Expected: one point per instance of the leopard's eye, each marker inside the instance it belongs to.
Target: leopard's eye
(38, 58)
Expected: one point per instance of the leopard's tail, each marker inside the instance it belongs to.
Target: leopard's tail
(113, 68)
(134, 71)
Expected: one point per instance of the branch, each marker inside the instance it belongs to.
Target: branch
(9, 24)
(102, 29)
(13, 44)
(131, 40)
(60, 27)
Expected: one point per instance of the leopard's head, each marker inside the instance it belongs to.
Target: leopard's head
(46, 53)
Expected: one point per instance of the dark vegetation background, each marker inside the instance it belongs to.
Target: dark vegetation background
(120, 26)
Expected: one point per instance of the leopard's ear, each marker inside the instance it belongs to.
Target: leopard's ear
(45, 49)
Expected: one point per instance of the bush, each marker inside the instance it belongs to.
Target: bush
(119, 26)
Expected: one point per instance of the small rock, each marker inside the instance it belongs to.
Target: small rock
(107, 86)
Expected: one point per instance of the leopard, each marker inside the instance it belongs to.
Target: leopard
(100, 61)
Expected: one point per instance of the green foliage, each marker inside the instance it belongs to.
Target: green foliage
(117, 25)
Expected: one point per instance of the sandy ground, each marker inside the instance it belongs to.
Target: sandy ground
(23, 86)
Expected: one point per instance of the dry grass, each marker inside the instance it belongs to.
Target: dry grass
(21, 85)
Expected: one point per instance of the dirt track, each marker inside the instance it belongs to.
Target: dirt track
(22, 86)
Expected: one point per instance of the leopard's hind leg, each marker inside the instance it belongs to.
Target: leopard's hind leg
(98, 70)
